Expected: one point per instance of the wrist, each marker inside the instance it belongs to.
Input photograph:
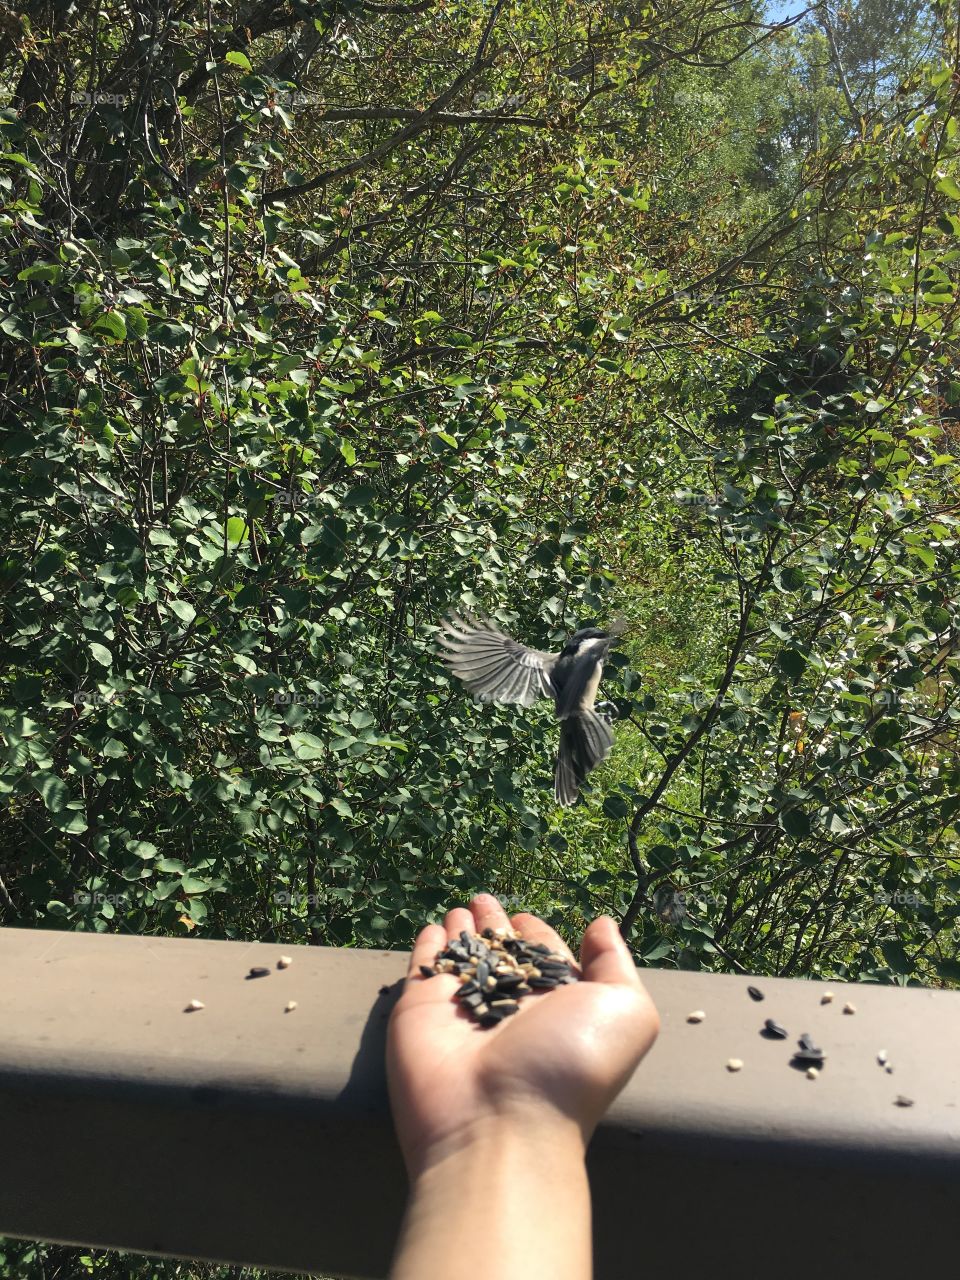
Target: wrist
(515, 1134)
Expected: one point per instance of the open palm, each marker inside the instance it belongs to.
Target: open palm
(568, 1051)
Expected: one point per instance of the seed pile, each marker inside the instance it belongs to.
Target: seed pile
(496, 969)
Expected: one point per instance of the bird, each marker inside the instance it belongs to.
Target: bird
(496, 668)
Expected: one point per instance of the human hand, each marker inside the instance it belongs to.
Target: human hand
(560, 1060)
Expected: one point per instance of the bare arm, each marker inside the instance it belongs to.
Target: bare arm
(494, 1123)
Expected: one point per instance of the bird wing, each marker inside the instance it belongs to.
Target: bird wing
(494, 666)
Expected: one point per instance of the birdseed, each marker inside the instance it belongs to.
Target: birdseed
(755, 993)
(812, 1073)
(496, 969)
(827, 998)
(882, 1057)
(734, 1064)
(849, 1008)
(194, 1005)
(901, 1101)
(285, 962)
(774, 1029)
(259, 971)
(698, 1015)
(289, 1006)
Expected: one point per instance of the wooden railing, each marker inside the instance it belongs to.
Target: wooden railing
(243, 1133)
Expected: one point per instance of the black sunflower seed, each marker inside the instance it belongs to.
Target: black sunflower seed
(775, 1030)
(755, 993)
(806, 1042)
(426, 971)
(543, 983)
(809, 1057)
(483, 973)
(258, 971)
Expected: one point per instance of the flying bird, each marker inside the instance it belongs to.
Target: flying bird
(497, 668)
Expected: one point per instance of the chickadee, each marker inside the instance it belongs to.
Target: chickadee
(497, 668)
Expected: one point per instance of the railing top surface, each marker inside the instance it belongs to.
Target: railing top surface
(97, 1007)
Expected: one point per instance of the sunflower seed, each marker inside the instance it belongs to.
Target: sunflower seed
(427, 972)
(889, 1070)
(289, 1006)
(827, 998)
(809, 1057)
(285, 962)
(194, 1005)
(259, 971)
(698, 1015)
(755, 993)
(849, 1008)
(774, 1029)
(901, 1101)
(734, 1064)
(882, 1057)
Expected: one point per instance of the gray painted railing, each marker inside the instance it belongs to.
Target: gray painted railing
(243, 1133)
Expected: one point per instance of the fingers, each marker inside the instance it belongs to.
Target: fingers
(429, 941)
(536, 930)
(488, 913)
(457, 918)
(605, 957)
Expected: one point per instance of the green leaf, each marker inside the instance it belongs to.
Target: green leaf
(100, 653)
(183, 609)
(615, 806)
(792, 663)
(110, 323)
(795, 822)
(238, 59)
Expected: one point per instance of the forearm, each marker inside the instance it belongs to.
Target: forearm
(513, 1197)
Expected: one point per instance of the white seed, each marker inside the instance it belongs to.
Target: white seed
(812, 1073)
(849, 1008)
(882, 1057)
(734, 1064)
(697, 1016)
(194, 1005)
(289, 1006)
(827, 997)
(285, 962)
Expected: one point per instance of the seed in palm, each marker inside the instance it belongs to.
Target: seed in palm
(497, 969)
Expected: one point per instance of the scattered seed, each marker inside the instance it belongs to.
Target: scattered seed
(849, 1008)
(889, 1070)
(289, 1006)
(755, 993)
(259, 971)
(827, 998)
(812, 1073)
(285, 962)
(194, 1005)
(901, 1101)
(882, 1057)
(774, 1029)
(426, 971)
(734, 1064)
(806, 1042)
(697, 1016)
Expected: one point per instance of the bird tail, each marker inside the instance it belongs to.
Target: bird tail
(585, 741)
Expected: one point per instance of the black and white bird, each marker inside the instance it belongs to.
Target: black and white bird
(497, 668)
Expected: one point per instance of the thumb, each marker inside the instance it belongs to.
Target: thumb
(605, 957)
